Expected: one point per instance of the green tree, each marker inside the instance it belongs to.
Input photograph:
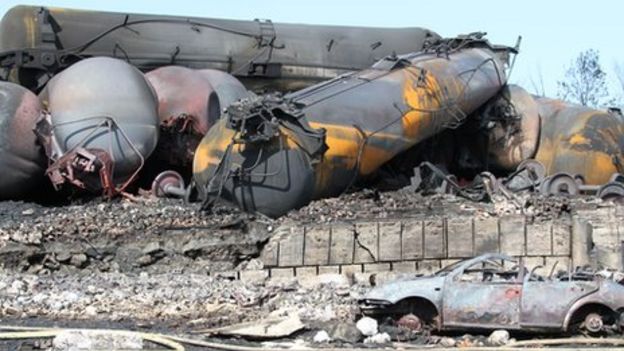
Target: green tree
(585, 81)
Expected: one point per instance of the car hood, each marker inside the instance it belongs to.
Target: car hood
(427, 287)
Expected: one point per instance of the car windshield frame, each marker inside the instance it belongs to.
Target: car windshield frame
(450, 268)
(470, 261)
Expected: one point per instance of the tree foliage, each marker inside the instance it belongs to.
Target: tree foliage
(585, 81)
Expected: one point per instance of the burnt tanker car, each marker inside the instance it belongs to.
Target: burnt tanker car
(38, 42)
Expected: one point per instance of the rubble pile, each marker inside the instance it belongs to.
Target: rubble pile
(184, 302)
(125, 235)
(159, 235)
(30, 223)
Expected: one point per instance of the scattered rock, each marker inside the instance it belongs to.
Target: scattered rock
(145, 260)
(346, 332)
(79, 260)
(336, 280)
(152, 248)
(447, 342)
(12, 311)
(321, 337)
(263, 329)
(254, 277)
(379, 338)
(498, 338)
(367, 326)
(80, 340)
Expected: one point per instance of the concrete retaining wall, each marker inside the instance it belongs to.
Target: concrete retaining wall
(424, 246)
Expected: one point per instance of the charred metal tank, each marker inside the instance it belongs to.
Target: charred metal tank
(272, 155)
(102, 124)
(186, 99)
(37, 42)
(189, 103)
(514, 128)
(569, 141)
(21, 158)
(228, 88)
(579, 140)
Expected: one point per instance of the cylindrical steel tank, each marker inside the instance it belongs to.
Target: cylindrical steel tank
(189, 103)
(580, 140)
(22, 160)
(102, 124)
(272, 155)
(228, 88)
(37, 41)
(185, 95)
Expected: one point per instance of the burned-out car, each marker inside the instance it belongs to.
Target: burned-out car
(494, 291)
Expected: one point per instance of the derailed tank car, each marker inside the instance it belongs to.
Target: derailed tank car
(36, 43)
(101, 125)
(273, 155)
(21, 159)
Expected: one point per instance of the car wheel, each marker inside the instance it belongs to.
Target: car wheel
(593, 323)
(416, 314)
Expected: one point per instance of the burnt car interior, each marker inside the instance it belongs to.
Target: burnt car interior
(491, 270)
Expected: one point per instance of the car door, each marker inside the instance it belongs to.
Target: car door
(475, 301)
(546, 303)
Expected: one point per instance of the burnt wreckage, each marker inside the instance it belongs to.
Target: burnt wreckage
(271, 155)
(101, 137)
(494, 291)
(126, 101)
(119, 129)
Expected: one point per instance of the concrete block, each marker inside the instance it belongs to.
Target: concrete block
(377, 267)
(412, 240)
(486, 236)
(435, 245)
(561, 239)
(282, 272)
(268, 256)
(404, 267)
(254, 276)
(342, 244)
(539, 239)
(390, 241)
(512, 236)
(460, 237)
(316, 246)
(305, 271)
(366, 242)
(607, 244)
(328, 270)
(291, 248)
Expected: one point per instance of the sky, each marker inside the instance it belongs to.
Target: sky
(553, 32)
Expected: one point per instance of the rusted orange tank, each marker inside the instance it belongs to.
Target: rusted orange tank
(580, 140)
(271, 155)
